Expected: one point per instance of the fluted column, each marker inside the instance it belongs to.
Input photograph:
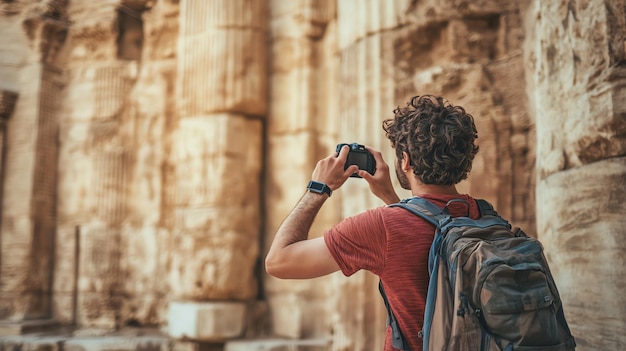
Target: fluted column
(96, 159)
(576, 70)
(301, 129)
(213, 194)
(29, 165)
(366, 97)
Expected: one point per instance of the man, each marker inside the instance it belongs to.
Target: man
(435, 145)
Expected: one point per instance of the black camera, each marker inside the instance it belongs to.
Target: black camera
(359, 156)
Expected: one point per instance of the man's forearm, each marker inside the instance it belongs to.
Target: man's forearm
(295, 228)
(292, 254)
(298, 223)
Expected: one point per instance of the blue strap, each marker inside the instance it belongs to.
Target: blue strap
(485, 208)
(434, 215)
(422, 208)
(397, 339)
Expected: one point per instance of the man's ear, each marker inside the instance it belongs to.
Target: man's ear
(405, 163)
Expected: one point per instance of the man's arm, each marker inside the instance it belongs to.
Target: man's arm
(291, 255)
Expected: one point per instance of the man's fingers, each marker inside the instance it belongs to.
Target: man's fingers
(377, 155)
(343, 153)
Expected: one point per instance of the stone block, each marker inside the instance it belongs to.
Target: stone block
(180, 345)
(278, 345)
(206, 321)
(8, 328)
(116, 342)
(207, 149)
(287, 314)
(43, 344)
(240, 84)
(216, 262)
(580, 221)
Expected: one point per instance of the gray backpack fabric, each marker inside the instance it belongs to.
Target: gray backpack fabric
(490, 287)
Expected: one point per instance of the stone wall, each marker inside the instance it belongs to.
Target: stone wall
(575, 58)
(151, 148)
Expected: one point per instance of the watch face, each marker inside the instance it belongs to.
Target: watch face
(319, 188)
(315, 186)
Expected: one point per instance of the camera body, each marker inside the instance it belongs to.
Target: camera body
(359, 156)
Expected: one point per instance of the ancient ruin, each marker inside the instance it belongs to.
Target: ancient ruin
(150, 149)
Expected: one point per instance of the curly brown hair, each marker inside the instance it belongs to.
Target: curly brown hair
(438, 137)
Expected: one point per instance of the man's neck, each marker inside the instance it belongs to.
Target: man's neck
(419, 188)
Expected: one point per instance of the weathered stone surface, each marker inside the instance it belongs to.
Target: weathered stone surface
(301, 128)
(206, 321)
(590, 127)
(207, 41)
(36, 343)
(130, 339)
(206, 195)
(358, 20)
(11, 328)
(278, 345)
(576, 83)
(187, 130)
(588, 227)
(179, 345)
(29, 167)
(122, 343)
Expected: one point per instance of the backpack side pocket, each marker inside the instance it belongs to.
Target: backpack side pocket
(517, 304)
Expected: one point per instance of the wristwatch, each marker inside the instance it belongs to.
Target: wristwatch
(319, 187)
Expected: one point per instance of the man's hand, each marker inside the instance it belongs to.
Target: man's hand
(380, 182)
(330, 169)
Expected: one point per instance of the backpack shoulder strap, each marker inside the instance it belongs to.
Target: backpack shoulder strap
(397, 341)
(486, 208)
(432, 214)
(422, 208)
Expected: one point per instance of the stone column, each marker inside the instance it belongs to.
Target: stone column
(575, 58)
(29, 182)
(147, 228)
(214, 167)
(96, 158)
(366, 97)
(301, 129)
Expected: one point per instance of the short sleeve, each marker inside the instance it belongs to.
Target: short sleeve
(359, 242)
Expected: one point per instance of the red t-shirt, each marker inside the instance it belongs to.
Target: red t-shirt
(393, 243)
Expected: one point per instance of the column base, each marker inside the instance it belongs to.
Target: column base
(206, 321)
(11, 328)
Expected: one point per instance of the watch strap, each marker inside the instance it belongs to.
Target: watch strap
(319, 188)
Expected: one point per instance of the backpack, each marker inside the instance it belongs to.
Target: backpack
(490, 286)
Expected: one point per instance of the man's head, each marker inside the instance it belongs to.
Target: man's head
(438, 138)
